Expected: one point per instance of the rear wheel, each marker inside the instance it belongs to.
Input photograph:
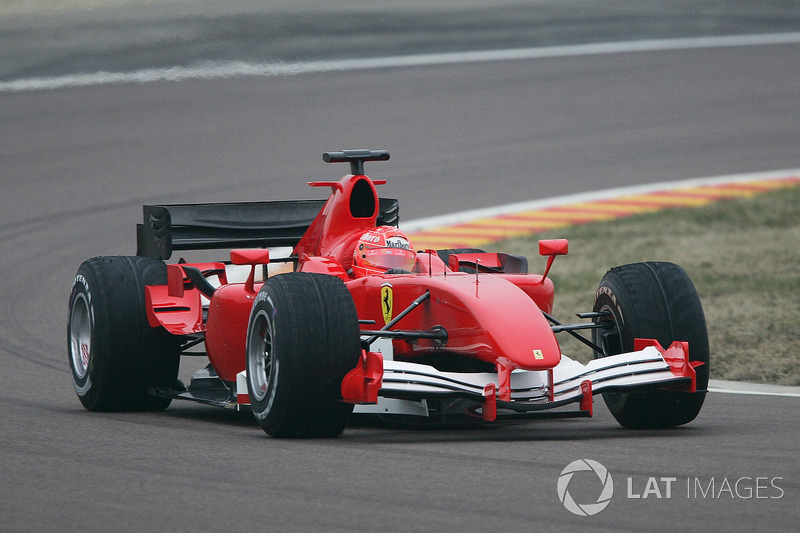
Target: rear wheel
(114, 354)
(303, 337)
(653, 300)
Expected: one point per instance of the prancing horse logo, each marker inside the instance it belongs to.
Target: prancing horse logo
(387, 299)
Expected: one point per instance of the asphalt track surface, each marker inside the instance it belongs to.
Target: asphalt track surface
(78, 163)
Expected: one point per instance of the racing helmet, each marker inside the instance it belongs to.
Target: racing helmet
(381, 249)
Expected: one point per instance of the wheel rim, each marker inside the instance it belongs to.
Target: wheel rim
(259, 355)
(80, 335)
(611, 340)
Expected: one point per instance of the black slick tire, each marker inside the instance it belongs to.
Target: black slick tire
(653, 300)
(114, 354)
(302, 338)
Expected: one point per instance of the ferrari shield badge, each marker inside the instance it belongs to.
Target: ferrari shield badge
(387, 299)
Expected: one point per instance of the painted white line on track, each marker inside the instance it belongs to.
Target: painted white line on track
(236, 69)
(594, 196)
(762, 389)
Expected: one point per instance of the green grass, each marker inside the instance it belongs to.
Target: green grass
(742, 256)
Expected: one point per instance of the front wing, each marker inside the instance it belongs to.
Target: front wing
(414, 389)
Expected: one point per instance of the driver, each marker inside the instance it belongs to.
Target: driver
(383, 249)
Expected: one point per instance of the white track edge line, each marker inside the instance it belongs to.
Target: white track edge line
(462, 217)
(235, 69)
(761, 389)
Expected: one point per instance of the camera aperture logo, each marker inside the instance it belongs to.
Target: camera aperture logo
(585, 509)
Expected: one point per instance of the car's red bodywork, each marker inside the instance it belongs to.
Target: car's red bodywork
(324, 309)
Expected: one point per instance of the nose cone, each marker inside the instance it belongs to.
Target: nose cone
(516, 332)
(487, 317)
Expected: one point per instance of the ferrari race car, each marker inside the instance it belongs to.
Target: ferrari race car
(351, 318)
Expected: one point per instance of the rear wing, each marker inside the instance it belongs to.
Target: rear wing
(234, 225)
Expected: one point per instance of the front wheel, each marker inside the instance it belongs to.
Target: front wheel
(653, 300)
(303, 337)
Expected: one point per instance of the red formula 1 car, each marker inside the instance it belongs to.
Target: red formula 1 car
(359, 320)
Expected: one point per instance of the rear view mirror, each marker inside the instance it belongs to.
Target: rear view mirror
(253, 257)
(250, 256)
(552, 248)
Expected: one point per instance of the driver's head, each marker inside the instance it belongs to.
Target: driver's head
(381, 249)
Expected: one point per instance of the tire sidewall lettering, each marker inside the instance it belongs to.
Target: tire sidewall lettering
(607, 298)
